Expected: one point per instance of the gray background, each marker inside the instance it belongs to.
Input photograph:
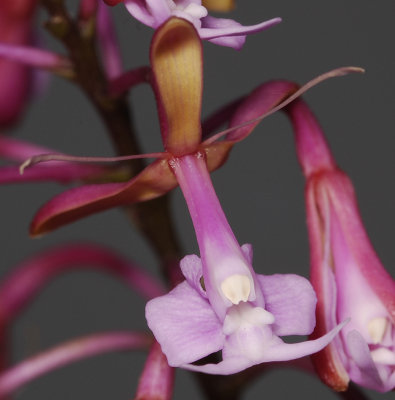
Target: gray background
(261, 187)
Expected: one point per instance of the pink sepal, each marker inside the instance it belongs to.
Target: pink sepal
(157, 379)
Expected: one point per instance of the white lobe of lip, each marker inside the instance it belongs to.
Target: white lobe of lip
(196, 11)
(377, 328)
(236, 288)
(245, 316)
(383, 356)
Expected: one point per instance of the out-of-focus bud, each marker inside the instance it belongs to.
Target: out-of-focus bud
(16, 18)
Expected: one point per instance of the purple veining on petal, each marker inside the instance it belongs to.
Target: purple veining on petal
(185, 325)
(292, 300)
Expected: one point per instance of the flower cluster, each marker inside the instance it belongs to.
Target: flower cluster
(219, 316)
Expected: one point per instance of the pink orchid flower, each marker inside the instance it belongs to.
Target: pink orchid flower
(346, 273)
(221, 31)
(235, 311)
(223, 305)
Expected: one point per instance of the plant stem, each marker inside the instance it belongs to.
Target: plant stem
(151, 218)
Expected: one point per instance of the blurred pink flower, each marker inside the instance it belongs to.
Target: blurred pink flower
(346, 273)
(16, 20)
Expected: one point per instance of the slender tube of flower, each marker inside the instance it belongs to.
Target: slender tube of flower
(228, 277)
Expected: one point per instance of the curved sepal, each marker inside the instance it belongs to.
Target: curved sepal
(176, 59)
(69, 206)
(261, 100)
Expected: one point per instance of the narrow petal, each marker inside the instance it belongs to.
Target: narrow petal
(67, 353)
(291, 351)
(329, 361)
(110, 51)
(222, 31)
(33, 57)
(311, 146)
(344, 201)
(60, 173)
(18, 150)
(176, 59)
(156, 381)
(185, 325)
(25, 281)
(76, 203)
(291, 299)
(260, 101)
(191, 267)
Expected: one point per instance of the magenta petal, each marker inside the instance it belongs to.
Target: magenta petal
(111, 54)
(157, 380)
(227, 32)
(191, 267)
(62, 174)
(185, 325)
(32, 56)
(291, 299)
(18, 150)
(260, 101)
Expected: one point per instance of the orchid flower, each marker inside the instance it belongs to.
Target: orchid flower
(223, 305)
(221, 31)
(176, 59)
(346, 273)
(15, 79)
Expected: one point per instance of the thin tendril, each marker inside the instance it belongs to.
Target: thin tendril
(331, 74)
(63, 157)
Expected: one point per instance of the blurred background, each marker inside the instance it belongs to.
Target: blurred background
(260, 187)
